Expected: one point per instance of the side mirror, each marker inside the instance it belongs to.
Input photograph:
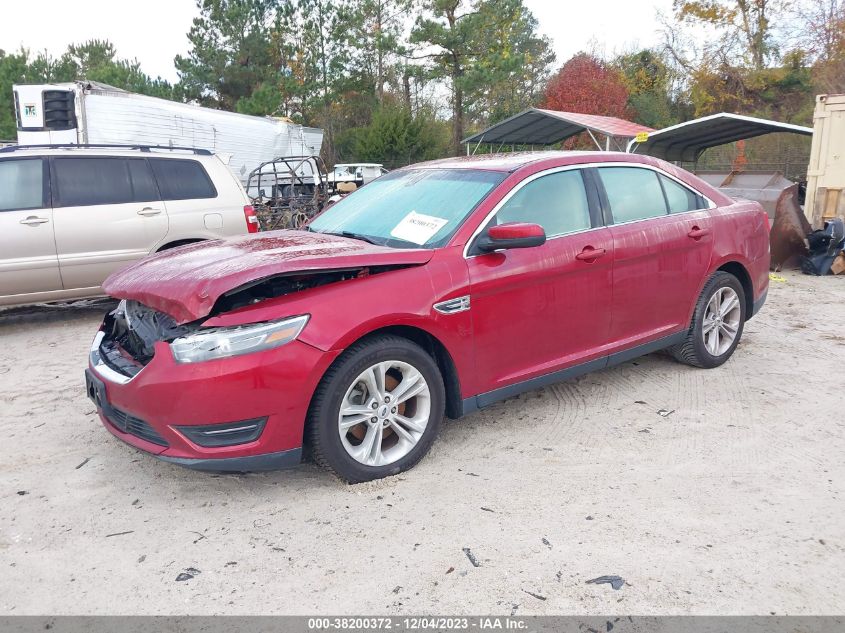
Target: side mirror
(512, 235)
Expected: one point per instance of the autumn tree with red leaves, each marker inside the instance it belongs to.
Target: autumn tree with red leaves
(587, 85)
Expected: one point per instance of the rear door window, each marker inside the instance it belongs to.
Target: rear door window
(633, 193)
(21, 184)
(182, 179)
(82, 182)
(680, 198)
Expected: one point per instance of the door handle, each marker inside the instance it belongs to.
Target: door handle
(697, 233)
(34, 220)
(148, 211)
(589, 254)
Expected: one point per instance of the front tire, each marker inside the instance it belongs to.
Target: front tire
(717, 323)
(377, 410)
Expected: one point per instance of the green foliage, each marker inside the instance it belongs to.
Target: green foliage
(451, 27)
(263, 100)
(372, 73)
(352, 67)
(745, 26)
(230, 52)
(648, 79)
(766, 58)
(373, 30)
(490, 54)
(514, 65)
(784, 93)
(12, 70)
(396, 138)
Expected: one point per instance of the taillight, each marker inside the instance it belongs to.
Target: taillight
(768, 223)
(251, 219)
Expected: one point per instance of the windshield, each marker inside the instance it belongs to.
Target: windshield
(409, 208)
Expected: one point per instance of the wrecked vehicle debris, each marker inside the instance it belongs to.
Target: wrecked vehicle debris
(188, 574)
(614, 581)
(789, 230)
(471, 557)
(825, 245)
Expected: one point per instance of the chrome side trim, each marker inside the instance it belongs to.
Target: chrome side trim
(104, 371)
(453, 306)
(236, 429)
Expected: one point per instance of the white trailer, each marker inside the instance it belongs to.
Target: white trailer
(85, 112)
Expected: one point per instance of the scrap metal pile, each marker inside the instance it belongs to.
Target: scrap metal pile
(286, 192)
(794, 242)
(826, 250)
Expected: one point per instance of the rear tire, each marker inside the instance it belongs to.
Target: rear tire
(717, 323)
(363, 424)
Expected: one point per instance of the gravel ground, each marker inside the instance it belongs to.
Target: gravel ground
(709, 492)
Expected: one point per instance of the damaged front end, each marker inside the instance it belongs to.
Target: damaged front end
(189, 283)
(285, 284)
(127, 340)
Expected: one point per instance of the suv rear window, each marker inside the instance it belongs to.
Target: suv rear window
(182, 179)
(21, 184)
(98, 180)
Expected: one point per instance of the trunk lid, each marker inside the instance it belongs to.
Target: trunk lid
(186, 282)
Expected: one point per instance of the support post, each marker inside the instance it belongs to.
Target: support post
(590, 132)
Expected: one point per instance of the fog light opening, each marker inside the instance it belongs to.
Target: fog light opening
(226, 434)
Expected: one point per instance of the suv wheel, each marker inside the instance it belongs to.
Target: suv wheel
(377, 410)
(717, 323)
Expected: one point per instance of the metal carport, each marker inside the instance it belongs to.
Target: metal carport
(686, 142)
(536, 126)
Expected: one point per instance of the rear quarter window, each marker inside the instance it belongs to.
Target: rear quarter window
(182, 179)
(680, 198)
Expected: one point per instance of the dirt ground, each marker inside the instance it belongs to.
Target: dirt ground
(709, 492)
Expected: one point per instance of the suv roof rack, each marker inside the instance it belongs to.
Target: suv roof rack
(142, 148)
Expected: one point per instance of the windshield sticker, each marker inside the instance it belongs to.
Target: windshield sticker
(417, 227)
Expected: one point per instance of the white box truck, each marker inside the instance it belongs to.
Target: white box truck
(86, 112)
(826, 171)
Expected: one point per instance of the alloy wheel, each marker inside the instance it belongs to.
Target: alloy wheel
(384, 413)
(721, 321)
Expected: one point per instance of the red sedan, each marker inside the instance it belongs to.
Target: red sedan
(434, 291)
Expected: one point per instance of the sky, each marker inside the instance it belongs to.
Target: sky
(154, 31)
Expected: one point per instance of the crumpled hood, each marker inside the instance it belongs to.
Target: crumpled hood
(186, 282)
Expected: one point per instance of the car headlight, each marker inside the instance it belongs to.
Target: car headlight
(222, 342)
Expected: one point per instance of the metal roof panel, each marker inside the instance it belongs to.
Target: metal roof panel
(536, 126)
(687, 141)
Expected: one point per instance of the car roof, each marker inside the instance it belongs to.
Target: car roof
(513, 161)
(69, 150)
(537, 161)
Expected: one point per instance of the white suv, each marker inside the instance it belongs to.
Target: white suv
(72, 215)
